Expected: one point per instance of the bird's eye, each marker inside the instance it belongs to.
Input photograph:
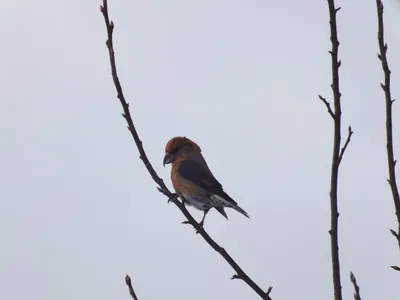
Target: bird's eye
(174, 150)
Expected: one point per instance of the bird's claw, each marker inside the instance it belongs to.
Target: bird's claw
(197, 228)
(174, 197)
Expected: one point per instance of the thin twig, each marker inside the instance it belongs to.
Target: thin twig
(395, 234)
(389, 126)
(328, 106)
(345, 144)
(129, 284)
(269, 290)
(161, 186)
(356, 287)
(337, 153)
(397, 268)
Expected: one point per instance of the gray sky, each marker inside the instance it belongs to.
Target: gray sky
(78, 209)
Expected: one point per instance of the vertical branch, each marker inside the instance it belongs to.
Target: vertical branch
(389, 126)
(336, 148)
(337, 153)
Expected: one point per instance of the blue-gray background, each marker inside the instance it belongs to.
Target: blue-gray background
(78, 210)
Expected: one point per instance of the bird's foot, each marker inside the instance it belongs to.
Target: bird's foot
(174, 197)
(200, 227)
(197, 228)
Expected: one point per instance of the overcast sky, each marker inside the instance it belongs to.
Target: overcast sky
(78, 210)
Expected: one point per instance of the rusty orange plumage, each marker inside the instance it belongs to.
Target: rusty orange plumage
(192, 179)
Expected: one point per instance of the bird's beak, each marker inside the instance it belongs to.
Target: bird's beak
(168, 158)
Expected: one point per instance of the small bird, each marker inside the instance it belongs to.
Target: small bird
(193, 180)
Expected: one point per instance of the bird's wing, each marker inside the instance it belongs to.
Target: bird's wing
(195, 173)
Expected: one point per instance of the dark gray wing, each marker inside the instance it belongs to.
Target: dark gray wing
(194, 172)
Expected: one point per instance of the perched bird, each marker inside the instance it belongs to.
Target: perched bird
(193, 180)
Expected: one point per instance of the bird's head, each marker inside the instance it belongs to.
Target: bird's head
(179, 147)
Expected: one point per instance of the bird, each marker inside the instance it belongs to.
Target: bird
(193, 181)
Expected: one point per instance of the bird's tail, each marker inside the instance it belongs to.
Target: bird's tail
(222, 212)
(241, 210)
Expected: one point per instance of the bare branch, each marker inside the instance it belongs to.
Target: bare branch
(161, 186)
(129, 284)
(328, 106)
(269, 290)
(356, 287)
(389, 126)
(345, 144)
(395, 268)
(337, 153)
(394, 233)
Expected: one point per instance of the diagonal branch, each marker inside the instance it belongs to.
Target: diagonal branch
(161, 185)
(389, 126)
(397, 268)
(328, 106)
(345, 144)
(129, 284)
(356, 287)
